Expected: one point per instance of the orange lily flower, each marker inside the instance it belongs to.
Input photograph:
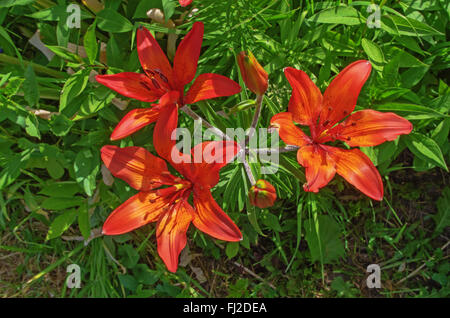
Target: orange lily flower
(163, 82)
(163, 198)
(321, 113)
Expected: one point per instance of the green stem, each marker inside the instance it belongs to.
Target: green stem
(37, 68)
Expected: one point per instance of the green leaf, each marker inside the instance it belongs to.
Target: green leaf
(83, 221)
(11, 166)
(168, 8)
(426, 149)
(112, 21)
(32, 126)
(271, 221)
(410, 111)
(374, 53)
(60, 125)
(65, 54)
(54, 169)
(442, 218)
(90, 43)
(60, 224)
(128, 282)
(30, 87)
(232, 249)
(145, 275)
(65, 189)
(57, 204)
(129, 257)
(86, 167)
(406, 26)
(73, 87)
(330, 244)
(338, 15)
(11, 3)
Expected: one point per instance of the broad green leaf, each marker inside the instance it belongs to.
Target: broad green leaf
(60, 125)
(54, 169)
(271, 221)
(83, 221)
(65, 189)
(30, 87)
(60, 224)
(11, 166)
(90, 43)
(330, 243)
(32, 126)
(168, 8)
(397, 25)
(54, 203)
(426, 149)
(129, 257)
(232, 249)
(73, 87)
(338, 15)
(374, 53)
(112, 21)
(86, 167)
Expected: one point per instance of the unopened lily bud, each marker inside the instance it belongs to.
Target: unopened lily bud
(253, 74)
(262, 194)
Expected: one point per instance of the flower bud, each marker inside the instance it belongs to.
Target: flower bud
(262, 194)
(253, 74)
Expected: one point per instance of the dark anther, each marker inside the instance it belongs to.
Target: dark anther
(345, 112)
(165, 80)
(330, 109)
(155, 82)
(349, 138)
(353, 124)
(149, 71)
(145, 85)
(326, 122)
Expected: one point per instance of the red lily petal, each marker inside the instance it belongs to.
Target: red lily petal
(135, 165)
(151, 55)
(306, 100)
(369, 127)
(133, 85)
(185, 3)
(209, 85)
(289, 133)
(187, 54)
(135, 120)
(167, 122)
(339, 99)
(137, 211)
(355, 167)
(171, 233)
(319, 167)
(208, 158)
(211, 219)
